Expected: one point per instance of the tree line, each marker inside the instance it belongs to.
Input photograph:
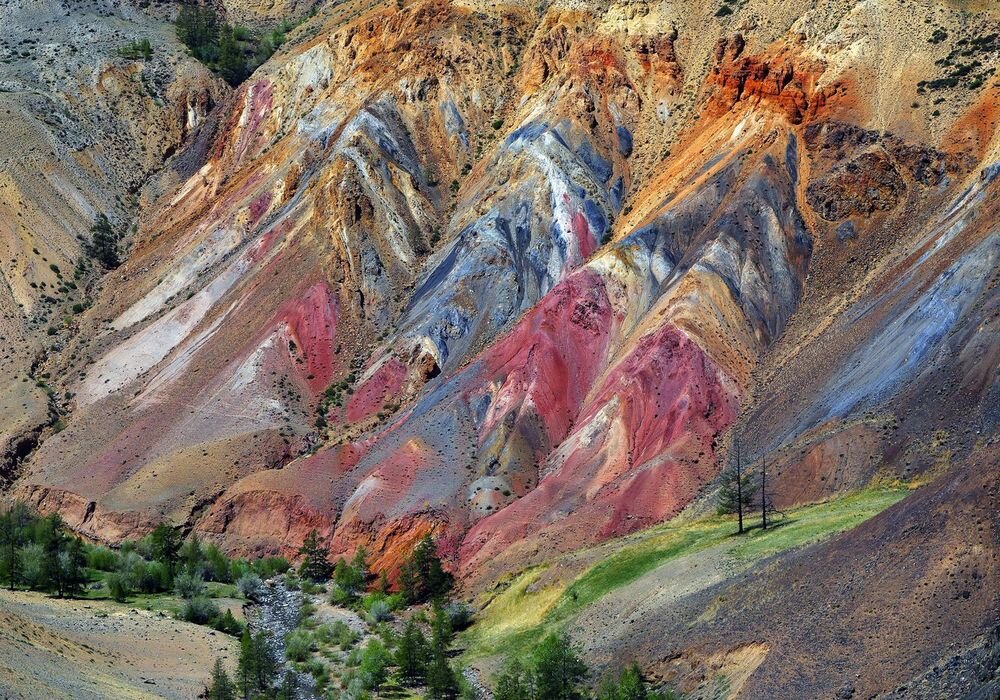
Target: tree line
(418, 657)
(41, 553)
(553, 670)
(233, 51)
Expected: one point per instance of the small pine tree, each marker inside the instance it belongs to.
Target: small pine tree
(103, 244)
(257, 667)
(441, 626)
(514, 682)
(360, 564)
(374, 664)
(246, 669)
(221, 686)
(315, 563)
(289, 686)
(423, 576)
(166, 546)
(559, 673)
(627, 686)
(411, 656)
(442, 682)
(348, 578)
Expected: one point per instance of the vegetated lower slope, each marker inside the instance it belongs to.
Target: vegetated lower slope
(524, 276)
(795, 611)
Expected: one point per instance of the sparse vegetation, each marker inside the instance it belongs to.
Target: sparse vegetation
(524, 613)
(965, 65)
(136, 50)
(103, 245)
(233, 51)
(160, 571)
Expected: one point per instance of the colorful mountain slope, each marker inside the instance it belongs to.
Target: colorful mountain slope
(524, 276)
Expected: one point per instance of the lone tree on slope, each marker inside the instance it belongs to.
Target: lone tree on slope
(315, 563)
(737, 492)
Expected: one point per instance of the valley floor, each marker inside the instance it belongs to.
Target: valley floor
(51, 648)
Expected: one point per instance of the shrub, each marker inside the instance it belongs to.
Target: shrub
(355, 690)
(310, 587)
(188, 585)
(338, 596)
(102, 558)
(151, 577)
(459, 615)
(271, 566)
(118, 586)
(339, 633)
(298, 645)
(249, 586)
(200, 611)
(134, 50)
(380, 611)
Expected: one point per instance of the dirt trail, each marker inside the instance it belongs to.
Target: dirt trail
(85, 649)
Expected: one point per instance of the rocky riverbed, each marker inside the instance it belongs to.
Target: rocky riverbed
(275, 611)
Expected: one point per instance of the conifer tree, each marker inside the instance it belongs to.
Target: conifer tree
(411, 655)
(10, 542)
(103, 244)
(737, 492)
(559, 672)
(514, 682)
(315, 563)
(232, 60)
(442, 682)
(166, 546)
(423, 576)
(221, 686)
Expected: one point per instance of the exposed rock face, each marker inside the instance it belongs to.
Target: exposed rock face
(521, 279)
(82, 130)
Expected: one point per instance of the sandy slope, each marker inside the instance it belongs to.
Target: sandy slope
(92, 649)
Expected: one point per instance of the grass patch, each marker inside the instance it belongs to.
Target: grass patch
(816, 522)
(518, 610)
(520, 615)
